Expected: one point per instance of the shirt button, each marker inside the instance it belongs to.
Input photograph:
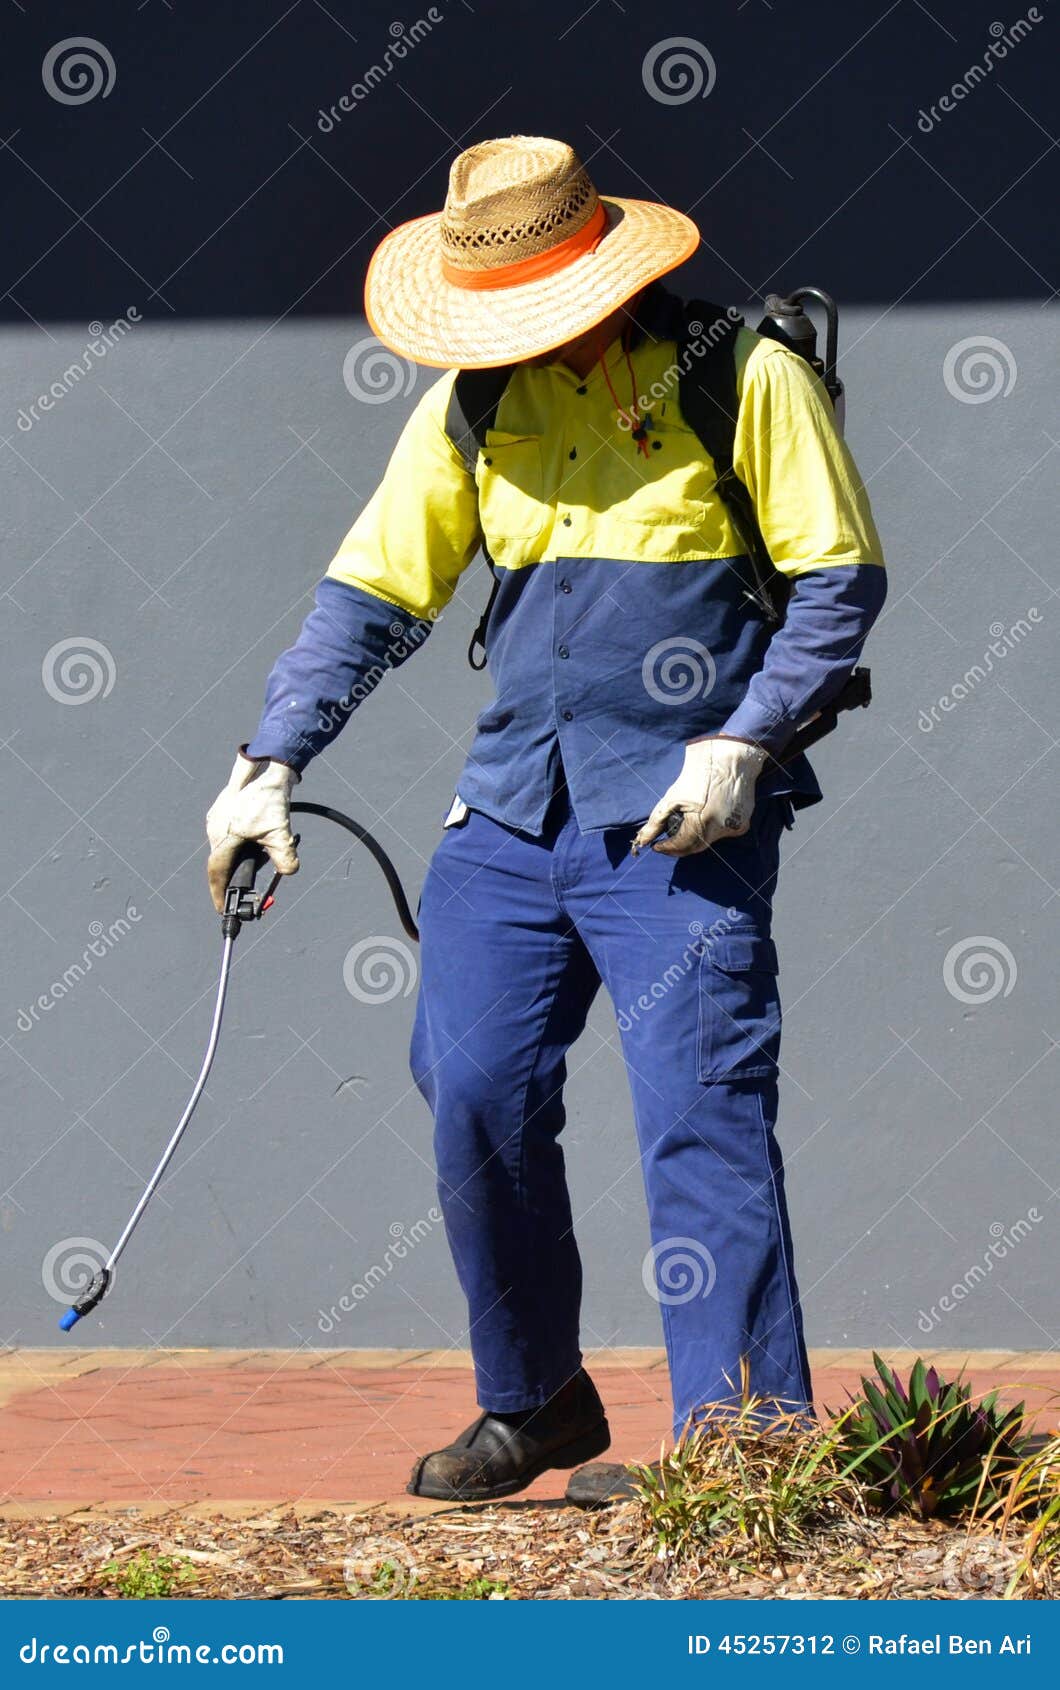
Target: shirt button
(581, 390)
(568, 715)
(564, 651)
(566, 522)
(565, 587)
(573, 453)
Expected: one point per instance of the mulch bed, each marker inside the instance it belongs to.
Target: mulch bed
(514, 1551)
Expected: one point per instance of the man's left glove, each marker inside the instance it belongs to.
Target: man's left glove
(715, 792)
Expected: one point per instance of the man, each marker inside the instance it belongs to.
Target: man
(633, 678)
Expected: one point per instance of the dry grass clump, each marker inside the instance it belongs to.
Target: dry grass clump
(747, 1486)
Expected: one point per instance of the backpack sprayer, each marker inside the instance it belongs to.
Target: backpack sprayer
(786, 321)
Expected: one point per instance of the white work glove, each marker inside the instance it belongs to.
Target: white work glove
(716, 792)
(256, 804)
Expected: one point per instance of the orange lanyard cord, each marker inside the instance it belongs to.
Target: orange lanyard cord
(632, 416)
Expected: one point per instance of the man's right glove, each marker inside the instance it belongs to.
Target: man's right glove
(715, 794)
(256, 804)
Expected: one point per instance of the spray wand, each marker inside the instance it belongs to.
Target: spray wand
(243, 902)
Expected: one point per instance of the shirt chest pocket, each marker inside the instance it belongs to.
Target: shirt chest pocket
(510, 480)
(672, 485)
(739, 1008)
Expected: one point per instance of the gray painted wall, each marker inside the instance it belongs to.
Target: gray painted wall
(171, 512)
(170, 516)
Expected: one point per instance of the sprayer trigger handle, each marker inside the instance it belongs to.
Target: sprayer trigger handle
(251, 859)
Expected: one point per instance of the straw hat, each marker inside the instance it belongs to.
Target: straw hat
(524, 257)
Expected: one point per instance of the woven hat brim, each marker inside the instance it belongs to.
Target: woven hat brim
(415, 311)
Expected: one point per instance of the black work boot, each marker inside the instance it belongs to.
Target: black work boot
(503, 1453)
(602, 1483)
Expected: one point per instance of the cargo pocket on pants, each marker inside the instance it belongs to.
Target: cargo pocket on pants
(739, 1008)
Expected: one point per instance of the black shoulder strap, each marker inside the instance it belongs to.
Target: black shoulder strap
(472, 410)
(473, 406)
(709, 404)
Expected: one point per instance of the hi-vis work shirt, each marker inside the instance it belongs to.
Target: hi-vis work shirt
(621, 627)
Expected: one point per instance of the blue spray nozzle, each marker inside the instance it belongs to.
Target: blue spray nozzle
(93, 1294)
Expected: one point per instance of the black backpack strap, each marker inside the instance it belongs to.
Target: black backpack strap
(472, 410)
(709, 404)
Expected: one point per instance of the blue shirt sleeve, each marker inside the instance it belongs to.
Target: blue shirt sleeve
(828, 619)
(347, 644)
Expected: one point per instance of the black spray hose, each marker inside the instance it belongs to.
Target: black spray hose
(242, 903)
(390, 873)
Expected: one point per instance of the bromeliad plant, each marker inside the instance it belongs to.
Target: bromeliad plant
(925, 1445)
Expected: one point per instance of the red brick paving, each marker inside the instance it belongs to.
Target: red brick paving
(283, 1426)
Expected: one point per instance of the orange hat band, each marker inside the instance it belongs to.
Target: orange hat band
(533, 268)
